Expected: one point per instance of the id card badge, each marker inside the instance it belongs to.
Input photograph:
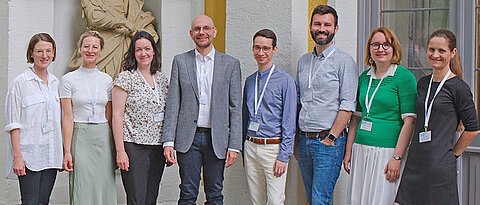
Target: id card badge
(366, 125)
(253, 126)
(308, 96)
(47, 127)
(425, 136)
(93, 119)
(158, 117)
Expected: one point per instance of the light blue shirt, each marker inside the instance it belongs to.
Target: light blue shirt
(277, 112)
(333, 88)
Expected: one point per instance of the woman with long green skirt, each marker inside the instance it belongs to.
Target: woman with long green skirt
(85, 96)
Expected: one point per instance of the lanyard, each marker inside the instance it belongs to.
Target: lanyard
(45, 93)
(259, 101)
(428, 109)
(368, 103)
(154, 90)
(92, 100)
(310, 76)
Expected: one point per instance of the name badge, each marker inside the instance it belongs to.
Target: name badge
(253, 126)
(308, 96)
(425, 136)
(158, 117)
(47, 127)
(93, 119)
(366, 125)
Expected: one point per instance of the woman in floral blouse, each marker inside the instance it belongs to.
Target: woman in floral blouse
(139, 96)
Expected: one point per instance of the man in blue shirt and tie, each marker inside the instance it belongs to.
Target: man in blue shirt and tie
(269, 115)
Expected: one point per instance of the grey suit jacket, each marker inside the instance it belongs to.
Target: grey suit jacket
(181, 111)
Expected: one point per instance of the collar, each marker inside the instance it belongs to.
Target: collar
(88, 70)
(390, 71)
(265, 72)
(325, 52)
(29, 75)
(209, 56)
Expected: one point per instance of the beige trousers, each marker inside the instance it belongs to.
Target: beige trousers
(263, 186)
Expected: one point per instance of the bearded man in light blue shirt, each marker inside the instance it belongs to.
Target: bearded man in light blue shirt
(327, 80)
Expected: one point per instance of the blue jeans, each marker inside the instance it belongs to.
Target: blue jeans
(190, 165)
(320, 167)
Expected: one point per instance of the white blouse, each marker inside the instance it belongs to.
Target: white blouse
(28, 101)
(73, 86)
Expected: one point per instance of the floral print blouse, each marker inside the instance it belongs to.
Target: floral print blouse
(143, 115)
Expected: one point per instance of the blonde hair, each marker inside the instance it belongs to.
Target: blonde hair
(91, 33)
(392, 39)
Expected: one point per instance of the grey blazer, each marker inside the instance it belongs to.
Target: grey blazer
(181, 111)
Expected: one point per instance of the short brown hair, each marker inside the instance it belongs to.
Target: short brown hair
(267, 33)
(392, 39)
(34, 40)
(91, 33)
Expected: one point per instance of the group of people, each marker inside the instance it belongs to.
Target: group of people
(141, 122)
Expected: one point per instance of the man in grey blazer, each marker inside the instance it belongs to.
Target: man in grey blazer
(203, 114)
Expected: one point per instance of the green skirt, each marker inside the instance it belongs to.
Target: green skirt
(93, 178)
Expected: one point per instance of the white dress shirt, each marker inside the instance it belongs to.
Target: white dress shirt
(27, 103)
(204, 81)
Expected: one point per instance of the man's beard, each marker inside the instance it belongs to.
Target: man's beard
(322, 42)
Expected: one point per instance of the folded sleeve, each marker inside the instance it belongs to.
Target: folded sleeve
(13, 107)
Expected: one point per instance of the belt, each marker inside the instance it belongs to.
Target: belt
(263, 140)
(315, 135)
(203, 129)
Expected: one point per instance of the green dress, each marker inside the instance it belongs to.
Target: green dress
(394, 99)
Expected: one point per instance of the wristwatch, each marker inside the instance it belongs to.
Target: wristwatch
(331, 137)
(396, 157)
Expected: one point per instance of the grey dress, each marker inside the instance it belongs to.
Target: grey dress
(430, 171)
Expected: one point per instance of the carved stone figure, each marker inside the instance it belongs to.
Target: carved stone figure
(117, 21)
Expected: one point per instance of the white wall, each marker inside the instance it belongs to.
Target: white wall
(3, 84)
(346, 40)
(176, 19)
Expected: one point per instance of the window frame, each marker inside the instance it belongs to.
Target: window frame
(461, 13)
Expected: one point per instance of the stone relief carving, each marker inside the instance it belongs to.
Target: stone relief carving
(117, 21)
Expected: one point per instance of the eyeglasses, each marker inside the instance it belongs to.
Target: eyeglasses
(385, 45)
(206, 29)
(265, 48)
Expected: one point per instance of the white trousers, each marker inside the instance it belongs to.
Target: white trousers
(263, 186)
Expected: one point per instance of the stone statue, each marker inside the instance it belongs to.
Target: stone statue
(117, 21)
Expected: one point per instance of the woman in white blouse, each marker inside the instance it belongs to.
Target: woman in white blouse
(139, 97)
(85, 95)
(32, 115)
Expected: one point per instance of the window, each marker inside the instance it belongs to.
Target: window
(413, 21)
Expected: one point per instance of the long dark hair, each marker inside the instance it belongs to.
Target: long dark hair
(455, 64)
(130, 63)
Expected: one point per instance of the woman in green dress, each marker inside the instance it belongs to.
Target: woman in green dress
(381, 129)
(85, 95)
